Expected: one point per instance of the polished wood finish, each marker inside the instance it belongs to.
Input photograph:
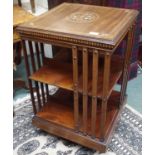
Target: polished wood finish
(106, 76)
(34, 69)
(77, 21)
(60, 110)
(60, 74)
(46, 86)
(75, 87)
(57, 118)
(28, 74)
(85, 88)
(94, 92)
(85, 109)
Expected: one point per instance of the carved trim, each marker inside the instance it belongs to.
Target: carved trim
(62, 37)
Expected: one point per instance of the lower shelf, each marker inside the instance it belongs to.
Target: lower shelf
(59, 110)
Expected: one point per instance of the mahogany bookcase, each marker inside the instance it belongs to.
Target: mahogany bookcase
(85, 108)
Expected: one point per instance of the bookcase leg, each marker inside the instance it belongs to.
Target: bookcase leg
(94, 92)
(126, 64)
(28, 74)
(75, 81)
(107, 61)
(85, 89)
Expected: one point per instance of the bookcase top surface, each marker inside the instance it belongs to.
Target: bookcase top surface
(87, 22)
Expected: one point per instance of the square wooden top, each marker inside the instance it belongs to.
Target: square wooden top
(87, 22)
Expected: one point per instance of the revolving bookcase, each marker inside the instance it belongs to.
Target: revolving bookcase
(85, 108)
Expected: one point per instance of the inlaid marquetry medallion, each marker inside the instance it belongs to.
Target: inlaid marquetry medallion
(83, 17)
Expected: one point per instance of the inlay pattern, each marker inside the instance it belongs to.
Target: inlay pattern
(83, 17)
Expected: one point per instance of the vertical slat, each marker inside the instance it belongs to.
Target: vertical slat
(39, 65)
(28, 74)
(42, 51)
(38, 54)
(43, 56)
(85, 88)
(75, 81)
(126, 64)
(106, 76)
(34, 69)
(94, 92)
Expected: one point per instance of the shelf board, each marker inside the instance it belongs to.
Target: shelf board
(56, 73)
(60, 74)
(59, 110)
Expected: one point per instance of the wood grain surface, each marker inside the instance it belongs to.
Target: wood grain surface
(98, 23)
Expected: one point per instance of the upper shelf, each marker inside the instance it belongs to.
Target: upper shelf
(97, 24)
(61, 74)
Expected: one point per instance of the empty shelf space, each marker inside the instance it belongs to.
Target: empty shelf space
(59, 110)
(60, 74)
(57, 73)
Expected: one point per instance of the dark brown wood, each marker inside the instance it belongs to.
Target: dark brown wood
(28, 74)
(39, 65)
(38, 55)
(107, 33)
(85, 109)
(42, 52)
(127, 62)
(85, 89)
(60, 110)
(43, 57)
(107, 61)
(59, 73)
(75, 81)
(94, 92)
(33, 70)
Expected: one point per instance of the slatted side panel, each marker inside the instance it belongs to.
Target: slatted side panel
(28, 74)
(33, 70)
(41, 84)
(127, 62)
(85, 89)
(94, 92)
(106, 76)
(38, 57)
(75, 81)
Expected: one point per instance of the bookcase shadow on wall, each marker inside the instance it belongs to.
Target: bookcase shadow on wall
(85, 108)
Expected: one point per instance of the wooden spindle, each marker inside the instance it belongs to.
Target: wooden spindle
(43, 57)
(85, 89)
(34, 69)
(38, 54)
(75, 83)
(126, 63)
(39, 65)
(94, 92)
(106, 76)
(28, 74)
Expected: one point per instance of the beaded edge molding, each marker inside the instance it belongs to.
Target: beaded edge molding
(38, 35)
